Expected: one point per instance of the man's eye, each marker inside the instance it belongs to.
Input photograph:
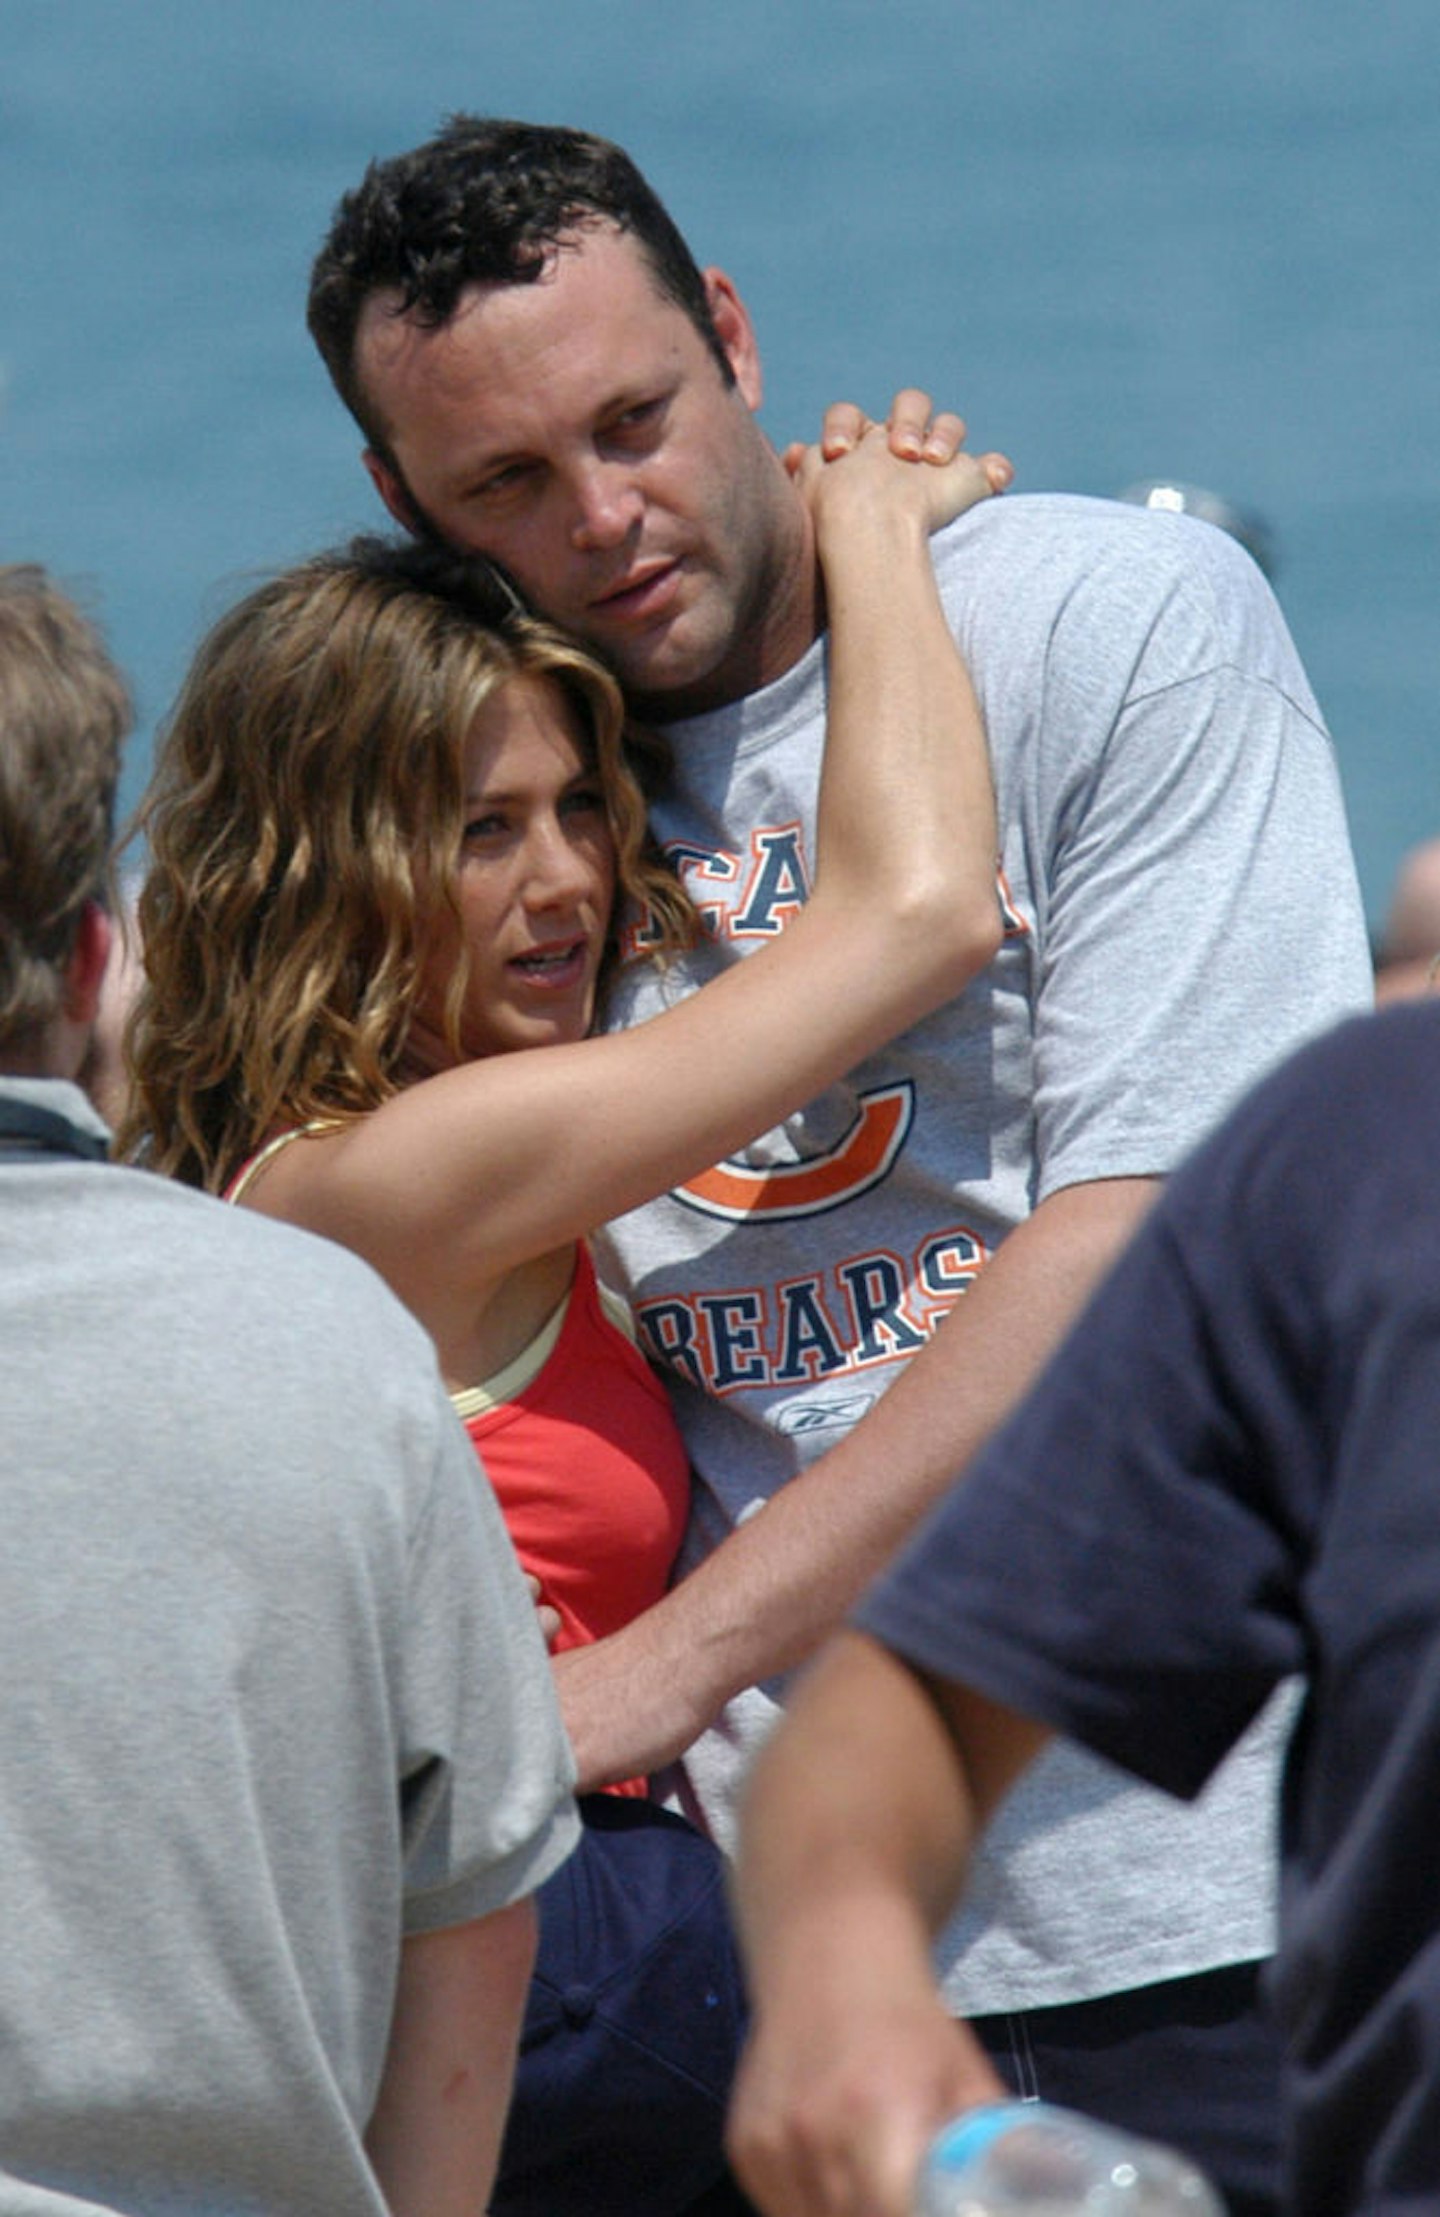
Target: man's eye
(644, 416)
(501, 482)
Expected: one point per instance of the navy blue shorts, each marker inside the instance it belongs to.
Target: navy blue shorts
(633, 2027)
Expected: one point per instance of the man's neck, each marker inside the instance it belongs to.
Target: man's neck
(784, 617)
(15, 1064)
(57, 1052)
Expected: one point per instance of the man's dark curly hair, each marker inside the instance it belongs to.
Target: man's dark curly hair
(483, 202)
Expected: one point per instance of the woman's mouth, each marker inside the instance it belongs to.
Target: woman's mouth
(555, 967)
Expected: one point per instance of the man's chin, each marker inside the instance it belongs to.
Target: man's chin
(675, 676)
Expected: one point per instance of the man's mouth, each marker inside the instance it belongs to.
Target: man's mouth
(645, 592)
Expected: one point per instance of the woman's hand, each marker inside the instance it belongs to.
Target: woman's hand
(916, 432)
(866, 482)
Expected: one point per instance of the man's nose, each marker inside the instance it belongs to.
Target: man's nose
(608, 506)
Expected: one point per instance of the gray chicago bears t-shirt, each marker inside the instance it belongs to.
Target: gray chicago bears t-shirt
(1181, 909)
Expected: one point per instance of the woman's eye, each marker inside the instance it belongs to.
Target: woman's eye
(584, 801)
(484, 827)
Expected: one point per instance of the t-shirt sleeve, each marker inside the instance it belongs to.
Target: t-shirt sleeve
(487, 1773)
(1123, 1561)
(1201, 913)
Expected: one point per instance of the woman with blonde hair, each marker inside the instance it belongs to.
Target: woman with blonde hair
(398, 841)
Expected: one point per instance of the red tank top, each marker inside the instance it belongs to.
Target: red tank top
(585, 1459)
(589, 1470)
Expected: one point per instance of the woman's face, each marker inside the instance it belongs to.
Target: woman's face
(536, 881)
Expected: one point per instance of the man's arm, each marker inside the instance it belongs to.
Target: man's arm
(857, 1829)
(786, 1577)
(434, 2137)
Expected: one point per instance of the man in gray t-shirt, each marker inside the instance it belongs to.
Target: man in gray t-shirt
(282, 1761)
(543, 375)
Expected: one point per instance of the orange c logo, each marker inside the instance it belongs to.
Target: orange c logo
(860, 1158)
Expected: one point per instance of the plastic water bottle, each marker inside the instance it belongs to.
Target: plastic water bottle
(1034, 2159)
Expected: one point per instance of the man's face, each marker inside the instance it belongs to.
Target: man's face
(579, 431)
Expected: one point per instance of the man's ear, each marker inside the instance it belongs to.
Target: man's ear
(389, 484)
(85, 970)
(731, 319)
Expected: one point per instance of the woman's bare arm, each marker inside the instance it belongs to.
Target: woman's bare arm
(466, 1175)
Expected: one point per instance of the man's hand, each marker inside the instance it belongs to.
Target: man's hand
(626, 1709)
(838, 2098)
(547, 1618)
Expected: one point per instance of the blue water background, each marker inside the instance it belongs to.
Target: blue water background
(1127, 237)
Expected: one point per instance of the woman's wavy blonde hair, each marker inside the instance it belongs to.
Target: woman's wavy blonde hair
(304, 826)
